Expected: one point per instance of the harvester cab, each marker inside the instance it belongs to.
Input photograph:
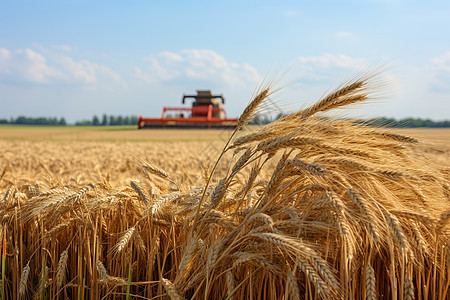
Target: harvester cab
(203, 100)
(206, 112)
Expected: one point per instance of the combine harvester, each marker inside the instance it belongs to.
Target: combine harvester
(206, 112)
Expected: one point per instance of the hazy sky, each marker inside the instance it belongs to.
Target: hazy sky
(74, 59)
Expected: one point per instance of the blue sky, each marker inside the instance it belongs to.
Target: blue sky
(74, 59)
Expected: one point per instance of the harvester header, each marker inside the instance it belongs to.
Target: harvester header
(206, 112)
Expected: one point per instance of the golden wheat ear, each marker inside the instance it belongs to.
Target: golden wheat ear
(258, 105)
(359, 89)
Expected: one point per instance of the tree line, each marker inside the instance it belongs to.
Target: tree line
(108, 121)
(407, 122)
(111, 120)
(105, 120)
(376, 122)
(35, 121)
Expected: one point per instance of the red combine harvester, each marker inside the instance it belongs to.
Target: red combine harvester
(206, 112)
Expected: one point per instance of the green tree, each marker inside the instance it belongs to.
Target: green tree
(95, 121)
(104, 120)
(83, 123)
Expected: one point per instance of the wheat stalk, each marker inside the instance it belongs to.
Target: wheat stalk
(250, 109)
(409, 290)
(292, 289)
(343, 161)
(116, 281)
(345, 95)
(230, 284)
(252, 137)
(212, 258)
(6, 197)
(139, 242)
(322, 288)
(343, 225)
(24, 280)
(399, 235)
(422, 217)
(241, 161)
(390, 174)
(124, 240)
(313, 168)
(156, 171)
(135, 185)
(83, 191)
(368, 214)
(58, 228)
(371, 293)
(397, 137)
(295, 246)
(171, 289)
(61, 269)
(219, 192)
(188, 252)
(281, 143)
(102, 272)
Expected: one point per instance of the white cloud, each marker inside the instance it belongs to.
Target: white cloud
(5, 56)
(325, 67)
(28, 65)
(331, 60)
(194, 64)
(4, 53)
(78, 70)
(441, 63)
(440, 69)
(31, 66)
(142, 76)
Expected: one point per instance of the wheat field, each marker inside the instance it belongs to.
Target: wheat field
(307, 207)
